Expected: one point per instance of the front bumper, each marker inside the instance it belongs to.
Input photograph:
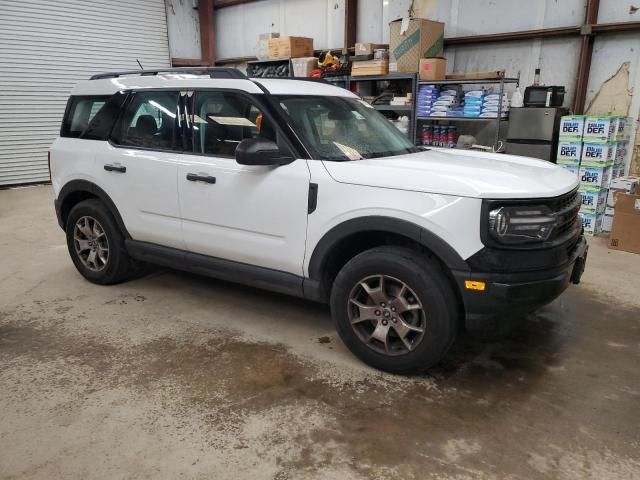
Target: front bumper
(515, 293)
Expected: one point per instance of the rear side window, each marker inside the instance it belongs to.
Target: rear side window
(80, 111)
(149, 121)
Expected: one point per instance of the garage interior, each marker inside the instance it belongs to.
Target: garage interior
(173, 375)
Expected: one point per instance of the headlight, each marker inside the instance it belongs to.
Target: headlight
(521, 224)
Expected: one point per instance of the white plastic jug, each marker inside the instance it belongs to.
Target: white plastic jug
(517, 99)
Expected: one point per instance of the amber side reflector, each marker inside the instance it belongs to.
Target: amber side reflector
(475, 285)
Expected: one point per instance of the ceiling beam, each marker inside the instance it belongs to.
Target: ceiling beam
(218, 4)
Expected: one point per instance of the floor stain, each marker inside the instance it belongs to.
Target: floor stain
(510, 397)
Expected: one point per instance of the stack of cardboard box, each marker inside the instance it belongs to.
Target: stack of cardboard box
(594, 149)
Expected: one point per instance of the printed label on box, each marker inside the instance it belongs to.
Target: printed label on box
(598, 129)
(571, 127)
(593, 201)
(594, 178)
(569, 151)
(592, 223)
(597, 154)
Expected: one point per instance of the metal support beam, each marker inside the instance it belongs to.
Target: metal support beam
(584, 58)
(511, 36)
(207, 33)
(350, 22)
(218, 4)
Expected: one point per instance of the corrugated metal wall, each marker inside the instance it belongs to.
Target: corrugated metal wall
(46, 47)
(237, 28)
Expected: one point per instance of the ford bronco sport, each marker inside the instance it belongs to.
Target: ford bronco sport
(302, 188)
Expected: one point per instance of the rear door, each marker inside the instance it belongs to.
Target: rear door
(138, 167)
(250, 214)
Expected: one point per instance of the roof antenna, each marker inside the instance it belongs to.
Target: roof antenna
(141, 68)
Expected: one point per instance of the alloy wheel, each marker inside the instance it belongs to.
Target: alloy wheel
(91, 244)
(386, 315)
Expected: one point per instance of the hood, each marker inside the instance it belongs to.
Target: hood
(464, 173)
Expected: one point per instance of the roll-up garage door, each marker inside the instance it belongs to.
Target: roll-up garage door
(46, 47)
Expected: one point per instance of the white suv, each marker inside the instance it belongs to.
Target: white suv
(302, 188)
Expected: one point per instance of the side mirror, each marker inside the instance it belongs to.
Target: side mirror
(260, 151)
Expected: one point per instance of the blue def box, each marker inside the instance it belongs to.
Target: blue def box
(594, 178)
(593, 201)
(569, 152)
(597, 154)
(571, 127)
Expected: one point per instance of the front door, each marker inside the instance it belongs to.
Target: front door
(255, 215)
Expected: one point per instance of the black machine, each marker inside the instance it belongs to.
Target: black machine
(544, 96)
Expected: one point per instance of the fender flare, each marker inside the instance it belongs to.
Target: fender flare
(86, 186)
(436, 245)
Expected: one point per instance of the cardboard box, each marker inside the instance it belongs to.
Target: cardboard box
(571, 128)
(367, 48)
(263, 45)
(625, 185)
(569, 152)
(597, 154)
(599, 129)
(630, 184)
(622, 128)
(593, 201)
(370, 67)
(433, 68)
(592, 223)
(607, 222)
(573, 168)
(302, 67)
(594, 178)
(411, 39)
(290, 47)
(625, 232)
(620, 153)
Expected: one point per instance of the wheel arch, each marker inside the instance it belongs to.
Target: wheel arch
(347, 239)
(76, 191)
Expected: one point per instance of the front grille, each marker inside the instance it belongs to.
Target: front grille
(566, 209)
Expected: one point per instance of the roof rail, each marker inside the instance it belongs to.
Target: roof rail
(213, 72)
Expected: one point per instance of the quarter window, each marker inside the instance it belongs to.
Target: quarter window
(80, 112)
(149, 121)
(222, 120)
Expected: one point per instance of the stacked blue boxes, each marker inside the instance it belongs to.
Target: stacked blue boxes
(426, 97)
(482, 104)
(447, 104)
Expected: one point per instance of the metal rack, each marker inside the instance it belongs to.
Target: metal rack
(502, 81)
(256, 64)
(410, 110)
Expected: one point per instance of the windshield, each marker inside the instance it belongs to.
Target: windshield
(341, 129)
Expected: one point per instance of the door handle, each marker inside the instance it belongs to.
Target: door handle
(115, 168)
(194, 177)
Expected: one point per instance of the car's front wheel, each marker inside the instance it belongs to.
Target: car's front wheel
(96, 244)
(395, 309)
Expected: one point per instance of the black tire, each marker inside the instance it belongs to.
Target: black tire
(426, 279)
(119, 266)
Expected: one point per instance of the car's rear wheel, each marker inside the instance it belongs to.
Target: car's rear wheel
(96, 244)
(395, 309)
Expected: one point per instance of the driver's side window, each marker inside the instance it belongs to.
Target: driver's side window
(221, 120)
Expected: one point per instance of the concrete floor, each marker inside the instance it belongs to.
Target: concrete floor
(177, 376)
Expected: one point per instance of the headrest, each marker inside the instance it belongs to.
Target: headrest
(146, 125)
